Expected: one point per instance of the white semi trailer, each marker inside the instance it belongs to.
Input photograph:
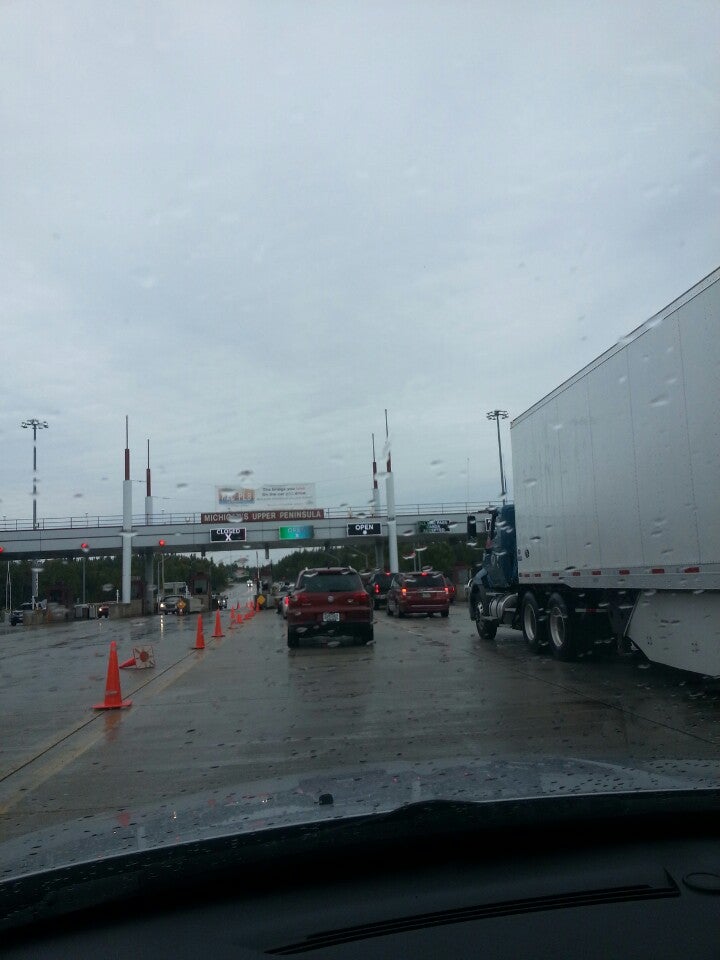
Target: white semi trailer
(614, 533)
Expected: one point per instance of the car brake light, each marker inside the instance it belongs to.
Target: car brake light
(377, 588)
(447, 592)
(361, 596)
(403, 590)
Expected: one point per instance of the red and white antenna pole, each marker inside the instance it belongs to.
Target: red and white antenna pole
(127, 520)
(376, 488)
(390, 497)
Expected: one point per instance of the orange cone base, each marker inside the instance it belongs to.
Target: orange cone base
(113, 706)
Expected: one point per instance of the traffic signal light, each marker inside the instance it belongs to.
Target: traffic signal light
(85, 547)
(472, 527)
(161, 543)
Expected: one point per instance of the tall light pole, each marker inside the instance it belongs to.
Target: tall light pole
(497, 416)
(36, 425)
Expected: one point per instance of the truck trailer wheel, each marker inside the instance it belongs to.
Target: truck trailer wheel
(534, 627)
(561, 628)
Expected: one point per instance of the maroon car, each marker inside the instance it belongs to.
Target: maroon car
(418, 593)
(329, 602)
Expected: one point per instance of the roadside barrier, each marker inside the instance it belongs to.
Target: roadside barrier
(113, 697)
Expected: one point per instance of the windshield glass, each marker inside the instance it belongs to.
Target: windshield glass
(321, 582)
(395, 269)
(424, 580)
(382, 579)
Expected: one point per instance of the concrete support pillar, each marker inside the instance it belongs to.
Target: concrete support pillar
(149, 585)
(392, 524)
(126, 540)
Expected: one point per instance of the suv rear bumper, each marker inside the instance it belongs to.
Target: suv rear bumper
(410, 608)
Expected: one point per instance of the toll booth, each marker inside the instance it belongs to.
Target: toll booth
(61, 594)
(137, 594)
(199, 584)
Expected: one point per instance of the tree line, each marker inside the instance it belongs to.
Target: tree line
(443, 555)
(103, 575)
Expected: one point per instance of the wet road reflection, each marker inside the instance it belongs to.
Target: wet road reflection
(248, 709)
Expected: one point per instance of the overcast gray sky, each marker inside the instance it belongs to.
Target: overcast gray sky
(254, 226)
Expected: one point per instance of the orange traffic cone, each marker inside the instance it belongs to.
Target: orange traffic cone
(113, 697)
(218, 627)
(199, 636)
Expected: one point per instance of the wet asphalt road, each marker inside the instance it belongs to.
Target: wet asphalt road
(247, 709)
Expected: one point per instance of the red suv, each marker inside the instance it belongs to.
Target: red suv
(329, 602)
(418, 593)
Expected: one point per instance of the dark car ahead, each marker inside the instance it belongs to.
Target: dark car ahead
(377, 586)
(18, 616)
(418, 593)
(173, 603)
(328, 602)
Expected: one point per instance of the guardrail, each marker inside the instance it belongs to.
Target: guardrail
(331, 513)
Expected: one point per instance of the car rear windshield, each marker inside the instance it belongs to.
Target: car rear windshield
(330, 582)
(425, 580)
(384, 579)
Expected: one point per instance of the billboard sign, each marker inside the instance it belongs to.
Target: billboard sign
(268, 495)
